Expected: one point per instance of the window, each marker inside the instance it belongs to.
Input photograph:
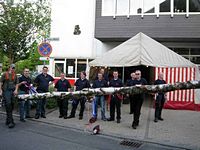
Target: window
(194, 5)
(59, 67)
(165, 5)
(81, 66)
(149, 6)
(107, 7)
(122, 7)
(179, 6)
(70, 68)
(135, 7)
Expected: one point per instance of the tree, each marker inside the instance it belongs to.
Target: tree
(20, 27)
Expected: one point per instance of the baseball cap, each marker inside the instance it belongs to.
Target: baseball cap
(12, 66)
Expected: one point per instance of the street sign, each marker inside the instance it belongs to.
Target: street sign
(45, 49)
(53, 39)
(44, 58)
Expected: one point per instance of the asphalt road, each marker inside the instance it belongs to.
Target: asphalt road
(33, 135)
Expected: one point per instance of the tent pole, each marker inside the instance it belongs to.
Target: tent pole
(123, 74)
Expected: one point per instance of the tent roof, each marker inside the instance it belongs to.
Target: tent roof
(141, 50)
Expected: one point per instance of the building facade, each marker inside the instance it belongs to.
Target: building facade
(87, 29)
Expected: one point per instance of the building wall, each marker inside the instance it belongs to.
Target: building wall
(164, 28)
(65, 15)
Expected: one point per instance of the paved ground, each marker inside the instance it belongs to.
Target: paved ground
(180, 128)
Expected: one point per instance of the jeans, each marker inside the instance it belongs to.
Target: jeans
(24, 108)
(102, 104)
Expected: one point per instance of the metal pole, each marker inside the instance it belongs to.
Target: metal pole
(123, 75)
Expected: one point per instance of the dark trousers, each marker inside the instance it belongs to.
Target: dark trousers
(40, 108)
(131, 98)
(159, 103)
(8, 98)
(63, 106)
(137, 104)
(75, 103)
(115, 102)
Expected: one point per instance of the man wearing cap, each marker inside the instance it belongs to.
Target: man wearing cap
(8, 89)
(42, 81)
(80, 84)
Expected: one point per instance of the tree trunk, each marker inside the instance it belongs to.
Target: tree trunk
(121, 90)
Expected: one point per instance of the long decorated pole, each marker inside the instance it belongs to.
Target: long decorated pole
(89, 92)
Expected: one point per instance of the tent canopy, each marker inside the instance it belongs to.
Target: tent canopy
(141, 50)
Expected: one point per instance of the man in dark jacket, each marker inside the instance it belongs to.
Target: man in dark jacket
(138, 99)
(99, 83)
(24, 85)
(80, 84)
(42, 81)
(62, 85)
(160, 99)
(115, 98)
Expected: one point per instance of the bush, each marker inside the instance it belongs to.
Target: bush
(51, 103)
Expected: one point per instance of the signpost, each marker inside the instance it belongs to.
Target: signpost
(45, 49)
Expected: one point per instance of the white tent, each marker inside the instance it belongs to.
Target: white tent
(143, 50)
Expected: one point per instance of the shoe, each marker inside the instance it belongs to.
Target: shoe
(131, 113)
(118, 120)
(7, 123)
(160, 119)
(60, 116)
(37, 116)
(134, 126)
(29, 117)
(65, 117)
(43, 116)
(110, 119)
(80, 117)
(155, 120)
(11, 125)
(22, 120)
(104, 119)
(70, 116)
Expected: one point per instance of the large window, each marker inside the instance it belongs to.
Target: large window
(164, 5)
(194, 5)
(122, 7)
(149, 7)
(135, 7)
(70, 68)
(108, 7)
(179, 6)
(192, 54)
(81, 65)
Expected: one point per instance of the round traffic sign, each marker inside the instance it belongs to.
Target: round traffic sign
(45, 49)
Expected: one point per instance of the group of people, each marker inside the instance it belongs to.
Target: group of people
(10, 86)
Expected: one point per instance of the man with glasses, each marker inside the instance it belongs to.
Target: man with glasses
(8, 89)
(138, 99)
(24, 86)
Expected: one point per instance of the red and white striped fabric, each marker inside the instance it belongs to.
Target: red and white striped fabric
(177, 74)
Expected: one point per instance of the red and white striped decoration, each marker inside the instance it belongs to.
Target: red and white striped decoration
(178, 74)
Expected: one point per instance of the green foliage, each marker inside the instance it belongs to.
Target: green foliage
(51, 103)
(22, 26)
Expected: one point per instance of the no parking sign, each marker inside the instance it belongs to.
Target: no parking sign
(45, 49)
